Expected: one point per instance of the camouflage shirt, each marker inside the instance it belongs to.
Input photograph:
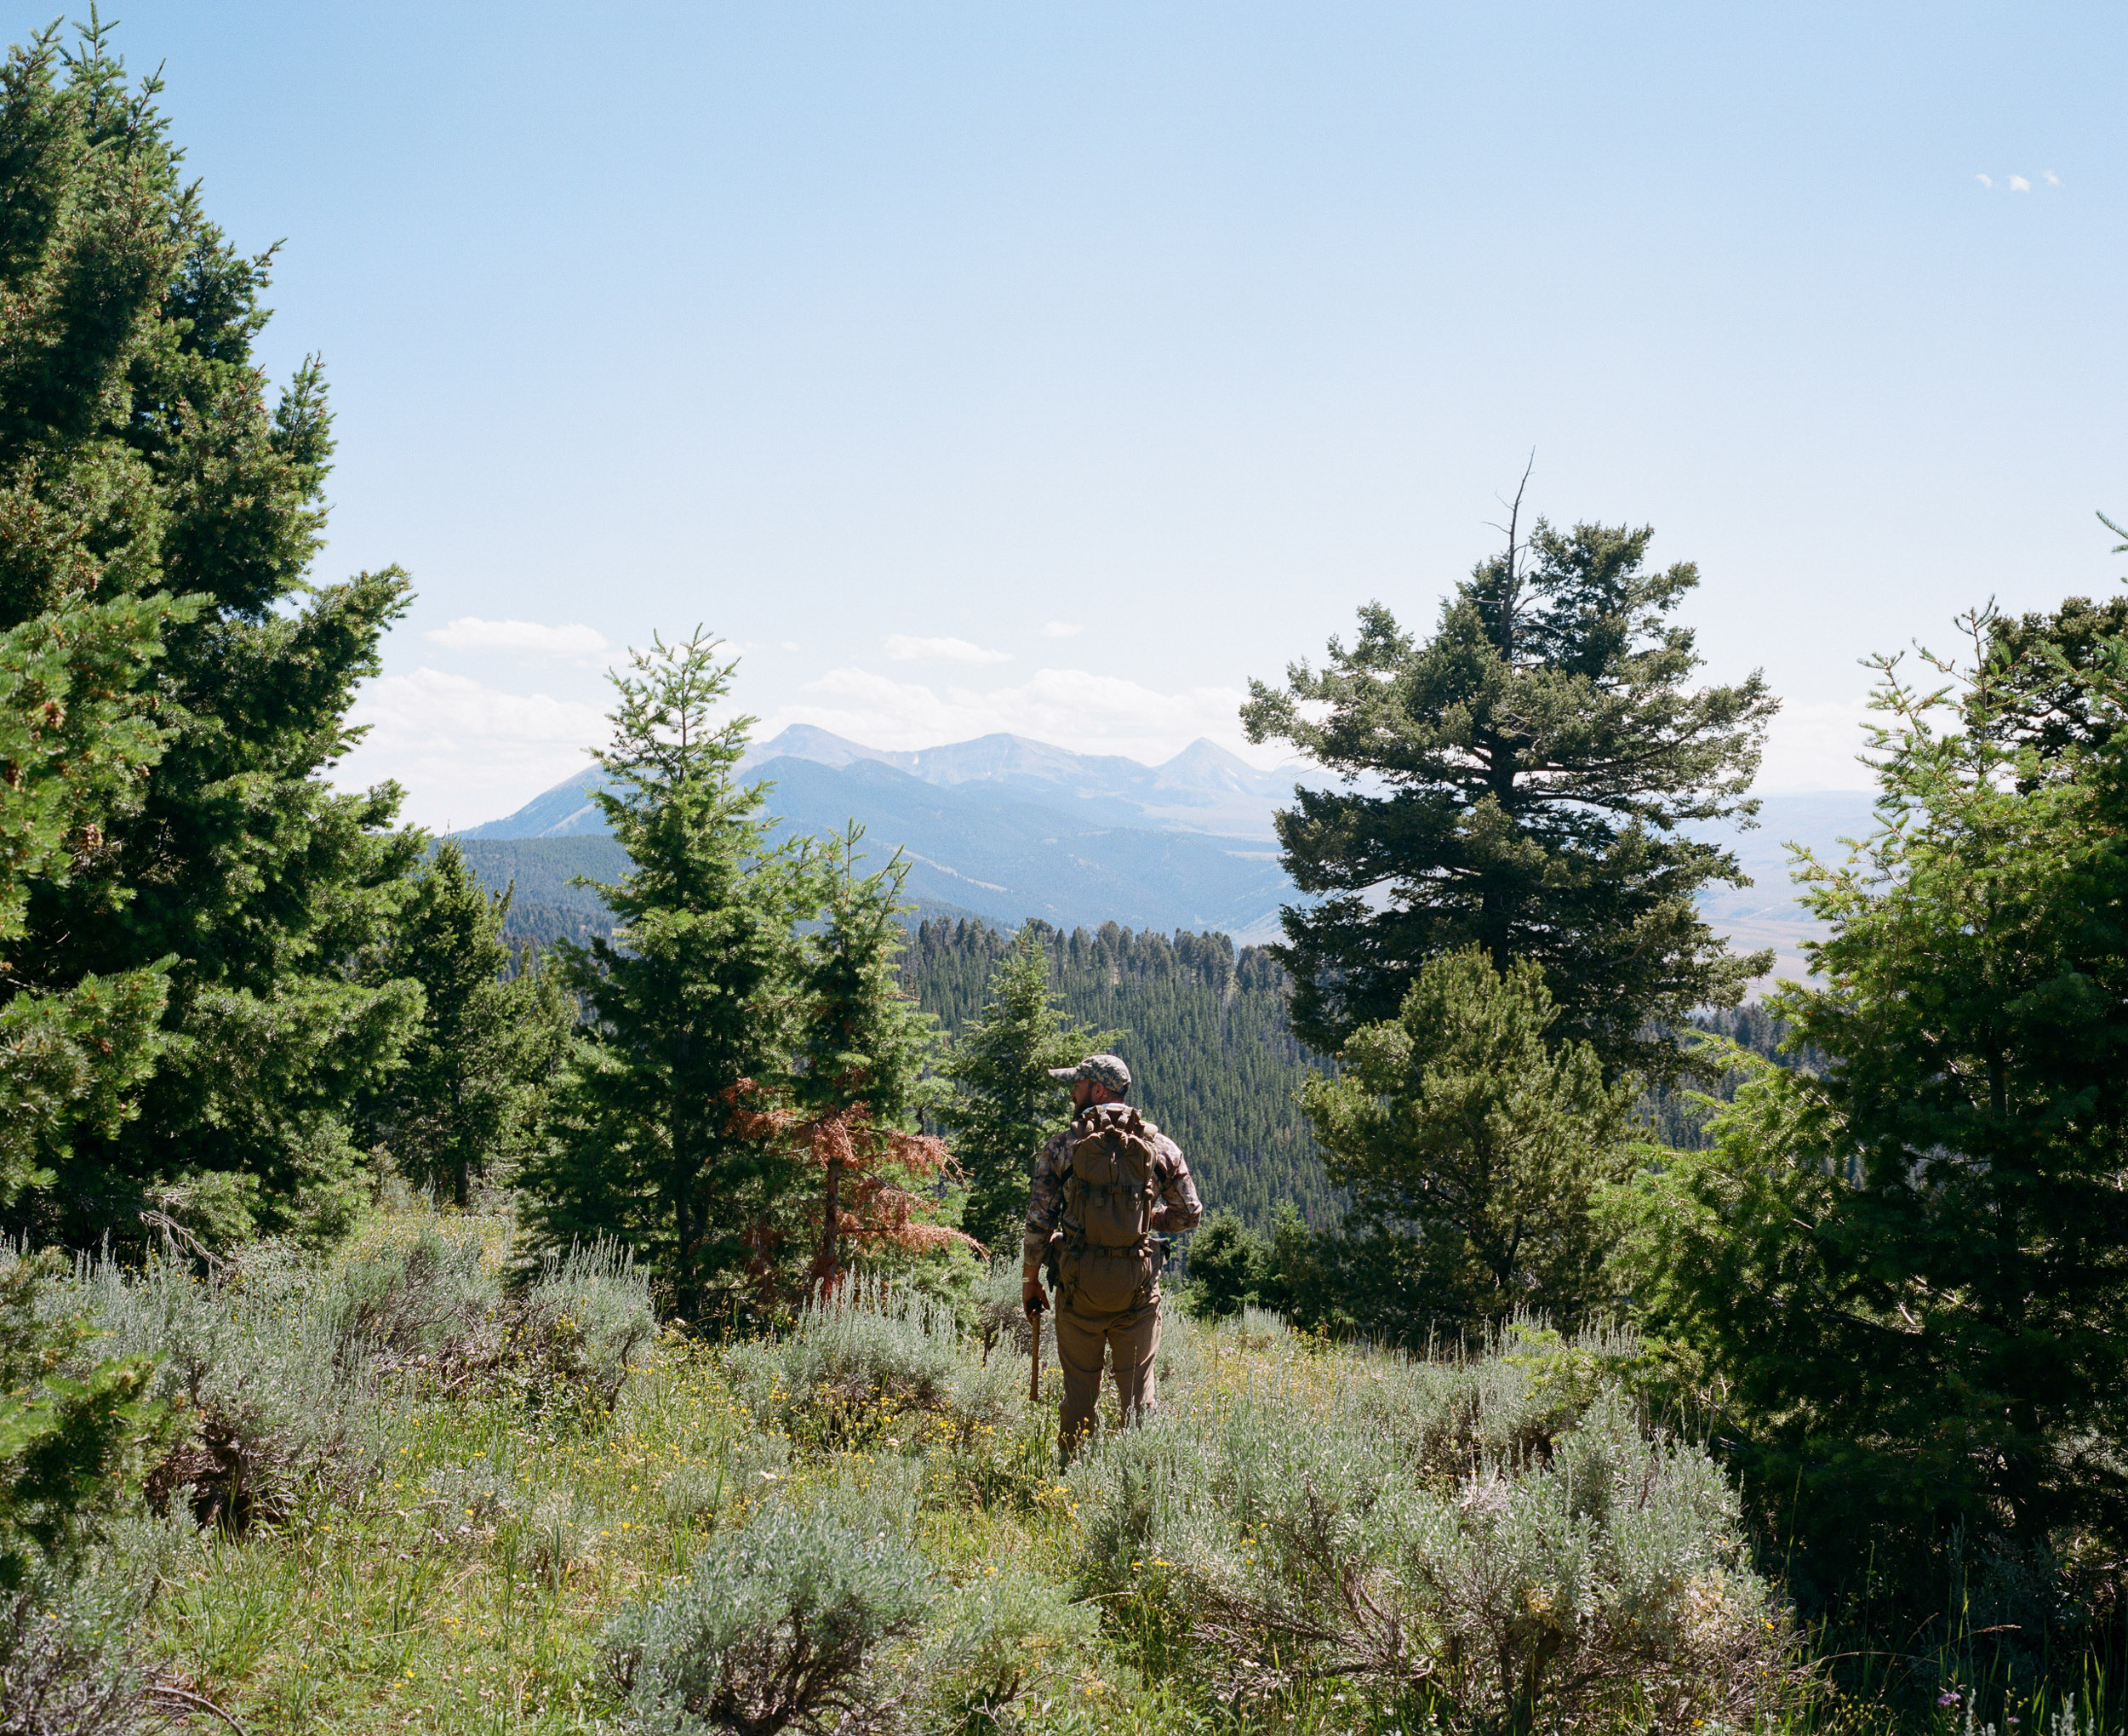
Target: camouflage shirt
(1180, 1208)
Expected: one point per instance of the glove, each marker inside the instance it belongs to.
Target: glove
(1033, 1297)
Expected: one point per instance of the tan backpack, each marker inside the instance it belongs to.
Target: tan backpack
(1111, 1192)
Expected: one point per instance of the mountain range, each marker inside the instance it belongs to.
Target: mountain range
(1005, 828)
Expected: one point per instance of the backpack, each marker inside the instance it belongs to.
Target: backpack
(1112, 1189)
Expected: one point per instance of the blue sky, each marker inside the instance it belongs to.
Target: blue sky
(884, 339)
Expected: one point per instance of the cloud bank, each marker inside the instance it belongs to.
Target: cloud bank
(903, 648)
(524, 638)
(464, 752)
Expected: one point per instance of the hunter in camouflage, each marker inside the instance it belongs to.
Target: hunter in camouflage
(1102, 1189)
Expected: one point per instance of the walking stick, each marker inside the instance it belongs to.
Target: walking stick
(1035, 1337)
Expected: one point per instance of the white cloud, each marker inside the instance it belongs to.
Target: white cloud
(465, 753)
(1813, 747)
(905, 649)
(1985, 180)
(1061, 630)
(2018, 184)
(2051, 178)
(526, 638)
(1071, 708)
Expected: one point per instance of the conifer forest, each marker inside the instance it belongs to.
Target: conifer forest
(453, 1288)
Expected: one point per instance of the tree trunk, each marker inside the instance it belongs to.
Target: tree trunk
(830, 1223)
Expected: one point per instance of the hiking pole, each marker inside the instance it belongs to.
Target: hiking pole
(1034, 1350)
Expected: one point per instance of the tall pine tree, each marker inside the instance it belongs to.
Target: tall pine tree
(663, 1134)
(141, 457)
(1907, 1275)
(1522, 782)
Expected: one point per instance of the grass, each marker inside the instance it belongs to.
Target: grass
(463, 1582)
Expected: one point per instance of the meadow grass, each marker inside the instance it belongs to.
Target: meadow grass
(466, 1577)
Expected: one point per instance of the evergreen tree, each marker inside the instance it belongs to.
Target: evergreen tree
(475, 1069)
(217, 905)
(860, 1087)
(1002, 1104)
(1906, 1273)
(75, 1429)
(1474, 1148)
(663, 1134)
(1229, 1266)
(1518, 782)
(76, 739)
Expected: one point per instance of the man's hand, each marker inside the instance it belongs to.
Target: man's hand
(1033, 1297)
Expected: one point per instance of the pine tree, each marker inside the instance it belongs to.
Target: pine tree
(477, 1067)
(664, 1134)
(861, 1088)
(1518, 782)
(216, 906)
(1474, 1147)
(1905, 1273)
(76, 739)
(1002, 1104)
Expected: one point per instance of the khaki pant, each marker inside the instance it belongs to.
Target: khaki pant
(1134, 1336)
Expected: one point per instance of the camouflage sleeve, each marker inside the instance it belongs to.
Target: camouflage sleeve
(1045, 1202)
(1180, 1208)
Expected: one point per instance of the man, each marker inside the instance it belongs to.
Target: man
(1101, 1188)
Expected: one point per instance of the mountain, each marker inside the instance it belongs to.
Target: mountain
(563, 811)
(1008, 828)
(1202, 788)
(979, 846)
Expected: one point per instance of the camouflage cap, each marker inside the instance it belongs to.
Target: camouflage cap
(1102, 1070)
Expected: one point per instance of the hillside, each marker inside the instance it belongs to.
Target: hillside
(1207, 1043)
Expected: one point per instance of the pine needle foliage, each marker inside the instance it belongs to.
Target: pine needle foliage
(1904, 1275)
(1475, 1149)
(469, 1088)
(161, 511)
(1520, 782)
(860, 1082)
(660, 1139)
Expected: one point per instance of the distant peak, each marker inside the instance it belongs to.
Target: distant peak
(1204, 751)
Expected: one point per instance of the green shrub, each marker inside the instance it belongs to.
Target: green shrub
(774, 1629)
(871, 1346)
(65, 1668)
(75, 1427)
(260, 1366)
(1448, 1531)
(76, 1431)
(278, 1367)
(577, 1328)
(435, 1305)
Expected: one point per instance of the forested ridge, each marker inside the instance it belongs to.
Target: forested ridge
(1214, 1061)
(1207, 1036)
